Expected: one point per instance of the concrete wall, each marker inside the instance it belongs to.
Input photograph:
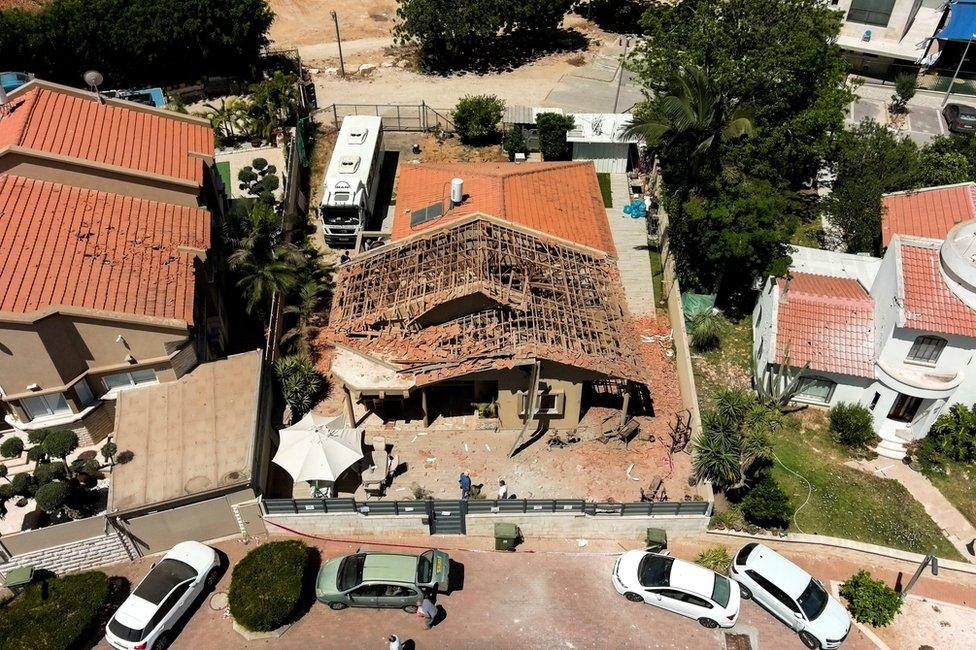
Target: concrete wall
(103, 180)
(607, 157)
(73, 546)
(540, 525)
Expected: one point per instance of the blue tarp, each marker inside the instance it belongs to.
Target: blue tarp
(962, 22)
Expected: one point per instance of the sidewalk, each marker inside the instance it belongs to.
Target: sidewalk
(957, 528)
(633, 258)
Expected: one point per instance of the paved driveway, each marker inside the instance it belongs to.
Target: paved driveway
(519, 600)
(924, 122)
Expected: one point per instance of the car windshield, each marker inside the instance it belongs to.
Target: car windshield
(967, 117)
(720, 590)
(340, 216)
(425, 567)
(655, 570)
(162, 578)
(125, 633)
(813, 600)
(351, 572)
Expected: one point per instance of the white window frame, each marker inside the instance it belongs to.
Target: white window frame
(806, 381)
(132, 380)
(49, 411)
(557, 411)
(927, 344)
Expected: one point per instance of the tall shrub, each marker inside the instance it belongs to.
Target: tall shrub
(300, 382)
(767, 505)
(476, 118)
(870, 601)
(853, 424)
(553, 128)
(266, 585)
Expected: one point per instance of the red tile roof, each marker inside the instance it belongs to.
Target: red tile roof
(928, 212)
(929, 304)
(561, 199)
(75, 125)
(73, 247)
(828, 322)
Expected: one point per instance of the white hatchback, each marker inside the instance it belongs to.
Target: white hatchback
(677, 586)
(790, 594)
(146, 618)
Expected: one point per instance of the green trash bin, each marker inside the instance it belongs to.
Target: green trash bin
(656, 539)
(506, 536)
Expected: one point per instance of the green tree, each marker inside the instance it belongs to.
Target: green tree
(514, 142)
(263, 260)
(307, 311)
(299, 381)
(271, 106)
(735, 439)
(553, 128)
(60, 442)
(870, 162)
(226, 119)
(767, 505)
(52, 497)
(476, 118)
(108, 451)
(937, 167)
(12, 447)
(870, 601)
(905, 87)
(780, 56)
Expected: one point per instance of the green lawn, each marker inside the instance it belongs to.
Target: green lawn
(846, 502)
(657, 277)
(959, 486)
(726, 366)
(604, 179)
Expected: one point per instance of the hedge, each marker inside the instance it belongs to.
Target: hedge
(870, 601)
(266, 585)
(54, 614)
(553, 128)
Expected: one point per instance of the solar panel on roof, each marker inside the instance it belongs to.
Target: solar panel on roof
(423, 215)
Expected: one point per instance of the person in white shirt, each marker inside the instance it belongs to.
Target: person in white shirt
(394, 642)
(502, 490)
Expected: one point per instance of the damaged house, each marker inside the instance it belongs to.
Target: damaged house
(475, 308)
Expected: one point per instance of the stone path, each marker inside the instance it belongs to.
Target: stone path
(956, 527)
(633, 260)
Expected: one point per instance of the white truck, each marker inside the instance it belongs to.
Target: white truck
(352, 180)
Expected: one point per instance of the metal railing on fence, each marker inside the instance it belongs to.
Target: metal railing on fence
(396, 117)
(475, 507)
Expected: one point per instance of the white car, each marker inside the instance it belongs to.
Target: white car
(677, 586)
(146, 618)
(790, 594)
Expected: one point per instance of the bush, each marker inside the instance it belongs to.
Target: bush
(54, 614)
(853, 425)
(952, 437)
(717, 559)
(60, 442)
(553, 128)
(300, 382)
(38, 436)
(767, 505)
(730, 519)
(12, 448)
(52, 496)
(476, 118)
(47, 472)
(23, 484)
(870, 601)
(514, 142)
(266, 585)
(705, 330)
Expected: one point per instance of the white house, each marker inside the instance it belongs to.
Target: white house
(600, 137)
(896, 334)
(879, 33)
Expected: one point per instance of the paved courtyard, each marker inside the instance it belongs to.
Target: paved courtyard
(547, 599)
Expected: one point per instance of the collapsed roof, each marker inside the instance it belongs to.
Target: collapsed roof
(481, 294)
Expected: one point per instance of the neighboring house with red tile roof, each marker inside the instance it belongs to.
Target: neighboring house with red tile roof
(105, 226)
(896, 335)
(928, 212)
(560, 199)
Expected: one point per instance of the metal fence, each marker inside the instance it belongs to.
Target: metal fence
(396, 117)
(475, 507)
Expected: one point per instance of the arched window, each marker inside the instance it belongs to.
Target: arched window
(927, 349)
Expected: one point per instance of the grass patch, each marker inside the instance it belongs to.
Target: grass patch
(726, 366)
(54, 614)
(958, 485)
(847, 502)
(604, 179)
(657, 277)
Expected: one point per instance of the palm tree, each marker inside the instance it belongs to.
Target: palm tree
(694, 113)
(264, 260)
(307, 313)
(225, 118)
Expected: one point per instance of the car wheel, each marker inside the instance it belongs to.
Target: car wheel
(634, 598)
(410, 609)
(212, 578)
(809, 640)
(162, 641)
(745, 592)
(338, 606)
(709, 623)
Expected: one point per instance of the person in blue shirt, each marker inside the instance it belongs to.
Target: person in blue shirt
(465, 482)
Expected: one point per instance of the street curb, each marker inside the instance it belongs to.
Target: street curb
(851, 545)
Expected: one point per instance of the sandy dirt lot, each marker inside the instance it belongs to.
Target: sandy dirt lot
(308, 22)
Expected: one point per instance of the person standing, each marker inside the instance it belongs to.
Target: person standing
(427, 611)
(465, 482)
(394, 641)
(502, 490)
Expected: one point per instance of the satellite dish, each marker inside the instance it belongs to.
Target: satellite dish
(94, 79)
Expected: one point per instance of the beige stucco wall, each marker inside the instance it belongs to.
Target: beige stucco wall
(560, 378)
(55, 350)
(103, 180)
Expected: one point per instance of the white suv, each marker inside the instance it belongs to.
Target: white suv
(790, 594)
(146, 618)
(678, 586)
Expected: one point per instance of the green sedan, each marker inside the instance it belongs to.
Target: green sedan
(392, 580)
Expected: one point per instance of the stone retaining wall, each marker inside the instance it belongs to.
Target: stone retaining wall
(76, 556)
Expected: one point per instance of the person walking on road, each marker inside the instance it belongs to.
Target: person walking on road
(427, 611)
(394, 641)
(465, 482)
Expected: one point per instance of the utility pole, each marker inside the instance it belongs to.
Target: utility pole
(623, 60)
(342, 65)
(929, 559)
(958, 68)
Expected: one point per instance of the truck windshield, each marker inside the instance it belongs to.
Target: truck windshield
(340, 216)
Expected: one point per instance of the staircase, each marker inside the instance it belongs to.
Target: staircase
(892, 444)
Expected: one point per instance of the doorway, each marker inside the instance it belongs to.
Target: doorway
(905, 408)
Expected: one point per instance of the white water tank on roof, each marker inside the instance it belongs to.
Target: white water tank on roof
(457, 191)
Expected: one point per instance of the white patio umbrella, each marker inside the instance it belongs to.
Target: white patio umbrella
(318, 448)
